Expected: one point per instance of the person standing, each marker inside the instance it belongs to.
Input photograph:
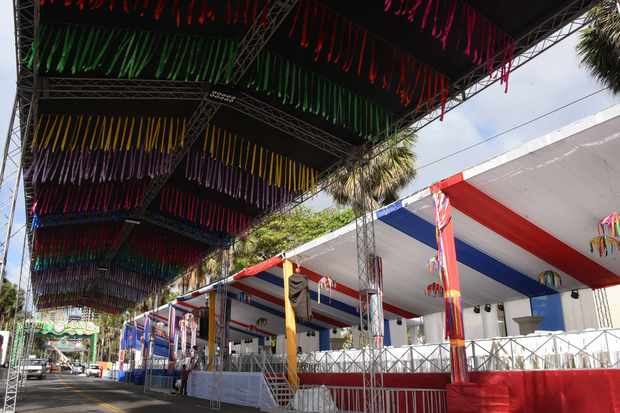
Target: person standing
(184, 377)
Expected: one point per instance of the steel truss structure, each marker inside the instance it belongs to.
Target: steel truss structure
(250, 46)
(210, 100)
(222, 319)
(370, 297)
(541, 38)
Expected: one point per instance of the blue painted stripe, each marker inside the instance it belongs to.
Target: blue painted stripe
(249, 333)
(331, 302)
(408, 223)
(324, 342)
(273, 311)
(387, 337)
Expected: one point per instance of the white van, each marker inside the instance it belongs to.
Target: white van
(4, 347)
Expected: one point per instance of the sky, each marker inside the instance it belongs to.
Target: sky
(551, 80)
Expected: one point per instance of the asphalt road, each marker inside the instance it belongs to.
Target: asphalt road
(72, 394)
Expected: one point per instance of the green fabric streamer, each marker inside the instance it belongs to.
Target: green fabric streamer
(133, 54)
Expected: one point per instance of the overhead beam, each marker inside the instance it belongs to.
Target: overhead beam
(211, 238)
(59, 88)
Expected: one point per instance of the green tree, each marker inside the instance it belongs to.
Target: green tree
(8, 303)
(599, 43)
(283, 232)
(390, 168)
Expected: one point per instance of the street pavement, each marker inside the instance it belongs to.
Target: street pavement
(59, 393)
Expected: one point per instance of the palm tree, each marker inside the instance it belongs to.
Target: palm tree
(599, 44)
(391, 167)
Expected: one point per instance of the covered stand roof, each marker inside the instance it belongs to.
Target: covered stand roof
(162, 129)
(530, 210)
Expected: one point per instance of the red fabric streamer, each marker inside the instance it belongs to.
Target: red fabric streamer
(350, 44)
(202, 212)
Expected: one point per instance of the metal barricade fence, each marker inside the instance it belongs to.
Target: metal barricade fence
(161, 383)
(327, 399)
(573, 350)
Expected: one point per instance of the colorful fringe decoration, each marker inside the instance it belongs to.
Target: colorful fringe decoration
(311, 93)
(131, 54)
(604, 245)
(434, 290)
(336, 40)
(81, 275)
(610, 225)
(77, 148)
(112, 305)
(608, 238)
(190, 13)
(247, 171)
(275, 169)
(202, 212)
(55, 199)
(245, 298)
(550, 279)
(327, 283)
(482, 41)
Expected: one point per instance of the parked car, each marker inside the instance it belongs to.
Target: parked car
(35, 368)
(78, 369)
(93, 370)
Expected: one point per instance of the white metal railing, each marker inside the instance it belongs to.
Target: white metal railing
(327, 399)
(161, 383)
(573, 350)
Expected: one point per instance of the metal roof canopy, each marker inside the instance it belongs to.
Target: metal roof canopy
(562, 184)
(327, 144)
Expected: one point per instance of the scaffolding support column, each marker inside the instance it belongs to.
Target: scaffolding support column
(212, 329)
(291, 328)
(449, 274)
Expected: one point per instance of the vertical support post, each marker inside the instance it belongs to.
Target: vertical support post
(212, 330)
(172, 348)
(449, 273)
(291, 328)
(93, 347)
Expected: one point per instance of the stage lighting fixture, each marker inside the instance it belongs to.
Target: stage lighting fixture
(500, 307)
(334, 331)
(477, 309)
(574, 294)
(487, 308)
(399, 322)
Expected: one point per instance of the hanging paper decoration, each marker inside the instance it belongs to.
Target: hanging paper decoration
(610, 225)
(233, 150)
(604, 245)
(550, 278)
(131, 54)
(203, 212)
(54, 199)
(480, 39)
(328, 283)
(434, 265)
(608, 232)
(311, 93)
(336, 40)
(188, 13)
(434, 290)
(183, 324)
(193, 326)
(172, 320)
(261, 322)
(100, 303)
(245, 298)
(78, 148)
